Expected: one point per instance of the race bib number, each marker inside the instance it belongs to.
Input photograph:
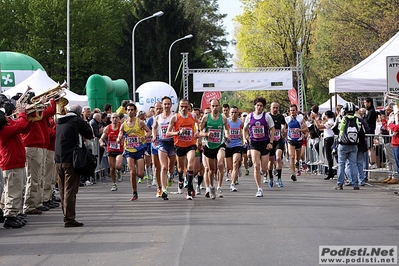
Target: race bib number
(258, 132)
(295, 135)
(277, 135)
(187, 135)
(215, 136)
(114, 145)
(234, 133)
(132, 142)
(164, 128)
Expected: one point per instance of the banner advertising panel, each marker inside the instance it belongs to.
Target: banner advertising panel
(208, 96)
(293, 96)
(238, 81)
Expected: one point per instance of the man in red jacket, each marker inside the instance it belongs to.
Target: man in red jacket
(49, 175)
(35, 141)
(12, 163)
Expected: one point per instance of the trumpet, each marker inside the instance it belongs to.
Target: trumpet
(37, 106)
(24, 97)
(55, 93)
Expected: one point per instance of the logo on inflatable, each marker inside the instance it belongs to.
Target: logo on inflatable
(153, 100)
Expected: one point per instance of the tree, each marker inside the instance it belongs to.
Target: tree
(270, 33)
(345, 33)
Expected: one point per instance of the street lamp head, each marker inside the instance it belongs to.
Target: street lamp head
(158, 14)
(188, 36)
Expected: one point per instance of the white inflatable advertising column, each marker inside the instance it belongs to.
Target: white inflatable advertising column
(152, 92)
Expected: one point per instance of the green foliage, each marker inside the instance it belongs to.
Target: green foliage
(270, 33)
(101, 36)
(345, 33)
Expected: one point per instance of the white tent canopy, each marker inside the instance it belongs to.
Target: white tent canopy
(326, 106)
(370, 75)
(40, 82)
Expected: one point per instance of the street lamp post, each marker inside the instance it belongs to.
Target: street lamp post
(170, 60)
(68, 48)
(157, 14)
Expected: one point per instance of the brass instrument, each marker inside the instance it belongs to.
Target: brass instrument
(37, 106)
(55, 93)
(24, 97)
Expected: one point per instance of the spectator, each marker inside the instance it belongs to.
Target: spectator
(68, 128)
(371, 119)
(86, 115)
(122, 108)
(347, 151)
(108, 111)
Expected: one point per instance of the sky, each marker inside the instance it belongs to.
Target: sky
(232, 8)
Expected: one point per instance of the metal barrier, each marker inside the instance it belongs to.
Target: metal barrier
(385, 160)
(380, 145)
(100, 169)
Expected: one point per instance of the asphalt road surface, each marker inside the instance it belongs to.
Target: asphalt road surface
(285, 227)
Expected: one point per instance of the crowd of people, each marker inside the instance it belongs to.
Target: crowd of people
(201, 148)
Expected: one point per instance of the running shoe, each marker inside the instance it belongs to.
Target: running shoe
(140, 180)
(304, 166)
(298, 173)
(159, 193)
(135, 196)
(188, 196)
(228, 177)
(154, 181)
(219, 193)
(293, 177)
(114, 187)
(259, 194)
(164, 194)
(170, 181)
(246, 172)
(207, 195)
(233, 188)
(250, 163)
(198, 190)
(185, 183)
(120, 177)
(280, 183)
(271, 182)
(180, 188)
(213, 192)
(145, 176)
(237, 182)
(265, 180)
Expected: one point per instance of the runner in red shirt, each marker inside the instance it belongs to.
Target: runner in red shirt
(114, 148)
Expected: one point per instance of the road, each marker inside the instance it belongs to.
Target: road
(285, 227)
